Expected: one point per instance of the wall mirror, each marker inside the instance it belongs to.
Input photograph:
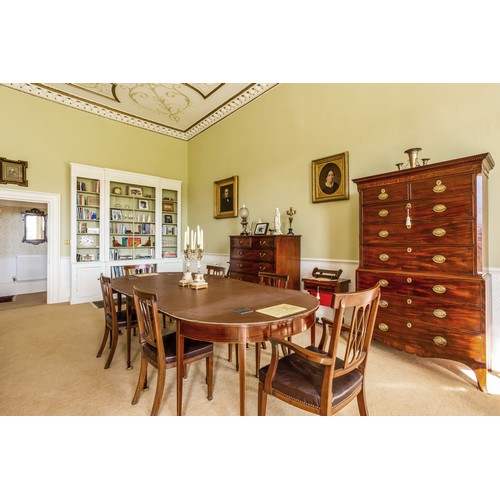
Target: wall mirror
(35, 226)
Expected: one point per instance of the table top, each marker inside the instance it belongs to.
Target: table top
(218, 304)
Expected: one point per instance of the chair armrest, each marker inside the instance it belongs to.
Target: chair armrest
(314, 357)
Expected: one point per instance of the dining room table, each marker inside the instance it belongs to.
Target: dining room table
(226, 311)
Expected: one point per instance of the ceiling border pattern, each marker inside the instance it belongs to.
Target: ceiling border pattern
(248, 95)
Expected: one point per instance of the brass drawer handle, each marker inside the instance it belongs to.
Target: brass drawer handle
(438, 340)
(383, 257)
(439, 232)
(262, 242)
(241, 252)
(262, 254)
(262, 268)
(383, 233)
(439, 187)
(439, 208)
(439, 289)
(383, 195)
(439, 259)
(240, 242)
(409, 301)
(240, 265)
(383, 282)
(383, 213)
(439, 313)
(383, 303)
(383, 327)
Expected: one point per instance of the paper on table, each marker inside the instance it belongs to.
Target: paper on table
(281, 310)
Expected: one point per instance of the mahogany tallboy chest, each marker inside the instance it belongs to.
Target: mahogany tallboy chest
(423, 236)
(271, 254)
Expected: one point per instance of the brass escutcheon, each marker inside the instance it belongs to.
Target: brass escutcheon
(383, 233)
(409, 325)
(383, 257)
(439, 187)
(383, 327)
(408, 301)
(383, 213)
(439, 259)
(408, 280)
(439, 208)
(439, 313)
(439, 232)
(383, 282)
(440, 340)
(383, 195)
(383, 303)
(409, 249)
(439, 289)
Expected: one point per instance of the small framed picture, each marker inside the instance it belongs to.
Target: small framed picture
(330, 178)
(226, 198)
(116, 215)
(168, 219)
(13, 172)
(143, 205)
(167, 207)
(261, 228)
(134, 191)
(93, 201)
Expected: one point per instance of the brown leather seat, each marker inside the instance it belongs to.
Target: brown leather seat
(115, 321)
(319, 379)
(159, 349)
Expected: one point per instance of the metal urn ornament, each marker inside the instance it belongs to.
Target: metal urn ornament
(290, 212)
(412, 159)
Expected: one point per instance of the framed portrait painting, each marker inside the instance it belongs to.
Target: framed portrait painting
(330, 178)
(13, 172)
(226, 198)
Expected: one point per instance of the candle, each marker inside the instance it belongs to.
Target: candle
(198, 234)
(201, 235)
(186, 238)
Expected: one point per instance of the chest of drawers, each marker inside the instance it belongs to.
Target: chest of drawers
(250, 255)
(423, 236)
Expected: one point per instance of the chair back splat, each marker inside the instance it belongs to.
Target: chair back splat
(216, 270)
(324, 379)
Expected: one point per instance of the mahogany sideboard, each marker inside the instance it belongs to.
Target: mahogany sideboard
(423, 236)
(271, 254)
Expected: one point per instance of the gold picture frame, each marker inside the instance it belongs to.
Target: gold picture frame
(330, 178)
(226, 198)
(13, 172)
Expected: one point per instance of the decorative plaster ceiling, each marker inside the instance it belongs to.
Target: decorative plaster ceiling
(180, 110)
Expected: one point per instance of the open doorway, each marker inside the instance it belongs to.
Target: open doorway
(52, 202)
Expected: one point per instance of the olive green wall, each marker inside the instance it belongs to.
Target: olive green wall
(271, 142)
(50, 136)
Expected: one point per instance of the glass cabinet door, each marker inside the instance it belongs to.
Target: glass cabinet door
(169, 223)
(131, 221)
(87, 219)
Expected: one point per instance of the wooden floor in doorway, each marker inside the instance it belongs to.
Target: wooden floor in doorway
(25, 300)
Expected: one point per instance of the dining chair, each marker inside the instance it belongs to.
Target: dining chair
(323, 380)
(115, 321)
(216, 270)
(158, 349)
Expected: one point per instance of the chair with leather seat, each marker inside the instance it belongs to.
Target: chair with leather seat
(158, 349)
(323, 379)
(216, 270)
(115, 321)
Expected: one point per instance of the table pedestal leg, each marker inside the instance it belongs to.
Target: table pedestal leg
(242, 354)
(180, 371)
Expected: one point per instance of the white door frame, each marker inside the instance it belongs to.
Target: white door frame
(53, 201)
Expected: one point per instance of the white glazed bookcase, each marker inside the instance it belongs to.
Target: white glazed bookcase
(117, 219)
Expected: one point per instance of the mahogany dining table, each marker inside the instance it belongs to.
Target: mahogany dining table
(225, 312)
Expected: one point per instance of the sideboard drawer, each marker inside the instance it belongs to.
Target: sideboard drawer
(266, 255)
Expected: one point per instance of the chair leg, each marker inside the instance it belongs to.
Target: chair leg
(103, 343)
(229, 352)
(160, 386)
(142, 383)
(262, 402)
(363, 408)
(210, 376)
(129, 343)
(114, 338)
(258, 347)
(237, 357)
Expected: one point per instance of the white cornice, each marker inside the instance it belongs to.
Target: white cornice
(236, 103)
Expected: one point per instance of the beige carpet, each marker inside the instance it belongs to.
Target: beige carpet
(48, 366)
